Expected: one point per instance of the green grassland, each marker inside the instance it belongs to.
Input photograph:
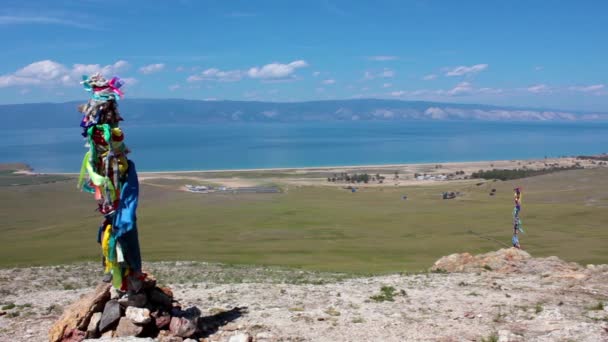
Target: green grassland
(317, 227)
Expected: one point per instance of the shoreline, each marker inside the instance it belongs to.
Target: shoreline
(341, 167)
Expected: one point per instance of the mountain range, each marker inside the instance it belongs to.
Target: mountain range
(180, 111)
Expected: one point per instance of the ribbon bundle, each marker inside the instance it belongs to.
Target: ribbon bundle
(111, 177)
(517, 225)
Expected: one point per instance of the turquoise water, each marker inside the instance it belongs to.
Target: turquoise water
(255, 145)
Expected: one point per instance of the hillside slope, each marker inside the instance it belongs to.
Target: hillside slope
(506, 295)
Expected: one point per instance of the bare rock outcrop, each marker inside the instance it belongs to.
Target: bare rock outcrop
(513, 260)
(504, 261)
(78, 315)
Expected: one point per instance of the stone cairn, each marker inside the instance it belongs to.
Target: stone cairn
(150, 313)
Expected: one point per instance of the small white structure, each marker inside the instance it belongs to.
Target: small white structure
(197, 188)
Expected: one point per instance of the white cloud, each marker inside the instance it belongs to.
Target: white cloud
(385, 73)
(460, 89)
(387, 85)
(276, 70)
(429, 77)
(214, 74)
(48, 72)
(414, 93)
(152, 68)
(538, 68)
(466, 88)
(108, 70)
(329, 81)
(435, 113)
(596, 88)
(382, 58)
(40, 20)
(174, 87)
(316, 73)
(466, 70)
(130, 81)
(538, 89)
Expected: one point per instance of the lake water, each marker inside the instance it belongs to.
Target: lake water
(255, 145)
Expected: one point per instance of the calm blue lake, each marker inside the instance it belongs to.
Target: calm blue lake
(255, 145)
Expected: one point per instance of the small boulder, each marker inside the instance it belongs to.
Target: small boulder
(149, 282)
(127, 328)
(158, 297)
(78, 314)
(111, 315)
(93, 328)
(74, 335)
(162, 319)
(138, 315)
(183, 326)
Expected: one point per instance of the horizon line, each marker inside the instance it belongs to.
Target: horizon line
(334, 100)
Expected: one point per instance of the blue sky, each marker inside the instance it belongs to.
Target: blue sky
(517, 53)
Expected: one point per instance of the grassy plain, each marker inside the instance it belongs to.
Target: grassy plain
(323, 228)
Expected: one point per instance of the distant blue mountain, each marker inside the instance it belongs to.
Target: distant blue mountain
(178, 111)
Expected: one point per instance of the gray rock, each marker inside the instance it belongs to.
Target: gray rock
(183, 326)
(110, 315)
(240, 338)
(138, 315)
(93, 328)
(160, 298)
(162, 320)
(127, 328)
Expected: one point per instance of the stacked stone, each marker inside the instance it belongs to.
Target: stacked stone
(150, 313)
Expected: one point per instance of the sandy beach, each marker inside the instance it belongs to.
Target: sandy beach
(394, 174)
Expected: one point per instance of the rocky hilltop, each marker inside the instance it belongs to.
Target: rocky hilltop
(505, 295)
